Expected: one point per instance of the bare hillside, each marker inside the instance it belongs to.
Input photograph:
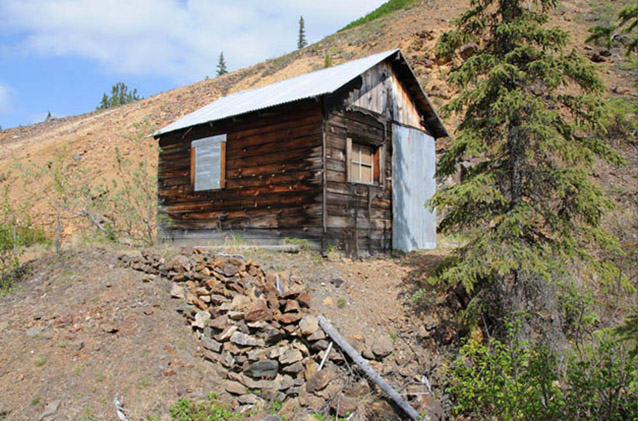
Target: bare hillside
(93, 137)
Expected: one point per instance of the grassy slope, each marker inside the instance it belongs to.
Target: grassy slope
(381, 11)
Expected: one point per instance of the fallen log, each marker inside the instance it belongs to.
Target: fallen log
(352, 353)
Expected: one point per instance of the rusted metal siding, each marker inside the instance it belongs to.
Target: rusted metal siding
(413, 183)
(272, 174)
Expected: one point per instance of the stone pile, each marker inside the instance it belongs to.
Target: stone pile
(256, 328)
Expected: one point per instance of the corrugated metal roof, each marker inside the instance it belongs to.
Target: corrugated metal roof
(310, 85)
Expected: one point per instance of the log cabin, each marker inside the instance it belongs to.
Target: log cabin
(341, 157)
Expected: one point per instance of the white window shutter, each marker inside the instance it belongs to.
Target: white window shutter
(208, 162)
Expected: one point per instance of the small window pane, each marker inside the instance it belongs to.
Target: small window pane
(354, 171)
(366, 155)
(366, 174)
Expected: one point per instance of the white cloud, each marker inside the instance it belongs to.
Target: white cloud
(5, 99)
(175, 38)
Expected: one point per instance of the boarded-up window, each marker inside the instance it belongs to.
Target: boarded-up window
(362, 164)
(208, 163)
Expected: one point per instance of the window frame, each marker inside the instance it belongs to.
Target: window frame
(201, 142)
(376, 164)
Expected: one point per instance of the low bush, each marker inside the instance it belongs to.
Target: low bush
(514, 379)
(208, 410)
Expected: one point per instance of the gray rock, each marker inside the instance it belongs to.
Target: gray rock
(293, 391)
(218, 299)
(382, 346)
(184, 308)
(317, 335)
(211, 344)
(202, 318)
(255, 354)
(226, 334)
(50, 411)
(264, 369)
(291, 357)
(178, 291)
(320, 345)
(343, 405)
(245, 340)
(234, 388)
(294, 368)
(319, 380)
(286, 382)
(248, 399)
(367, 354)
(227, 359)
(269, 334)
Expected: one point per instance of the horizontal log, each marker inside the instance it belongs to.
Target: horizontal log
(279, 144)
(247, 124)
(229, 201)
(304, 153)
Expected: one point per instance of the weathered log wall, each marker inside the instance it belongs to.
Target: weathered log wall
(359, 216)
(273, 178)
(382, 92)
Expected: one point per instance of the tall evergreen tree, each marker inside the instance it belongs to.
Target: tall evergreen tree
(120, 95)
(301, 39)
(221, 65)
(527, 209)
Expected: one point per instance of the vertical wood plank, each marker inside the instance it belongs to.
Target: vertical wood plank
(192, 167)
(324, 177)
(349, 160)
(222, 172)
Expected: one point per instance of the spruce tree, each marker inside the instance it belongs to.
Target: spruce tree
(221, 65)
(120, 95)
(527, 209)
(301, 40)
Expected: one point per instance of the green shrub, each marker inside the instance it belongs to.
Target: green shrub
(514, 379)
(16, 233)
(208, 410)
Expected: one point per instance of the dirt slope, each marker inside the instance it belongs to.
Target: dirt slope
(81, 329)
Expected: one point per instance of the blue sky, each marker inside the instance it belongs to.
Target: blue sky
(61, 56)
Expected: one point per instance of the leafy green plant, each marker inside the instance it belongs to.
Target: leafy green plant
(40, 360)
(208, 410)
(341, 302)
(514, 379)
(276, 407)
(327, 60)
(16, 233)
